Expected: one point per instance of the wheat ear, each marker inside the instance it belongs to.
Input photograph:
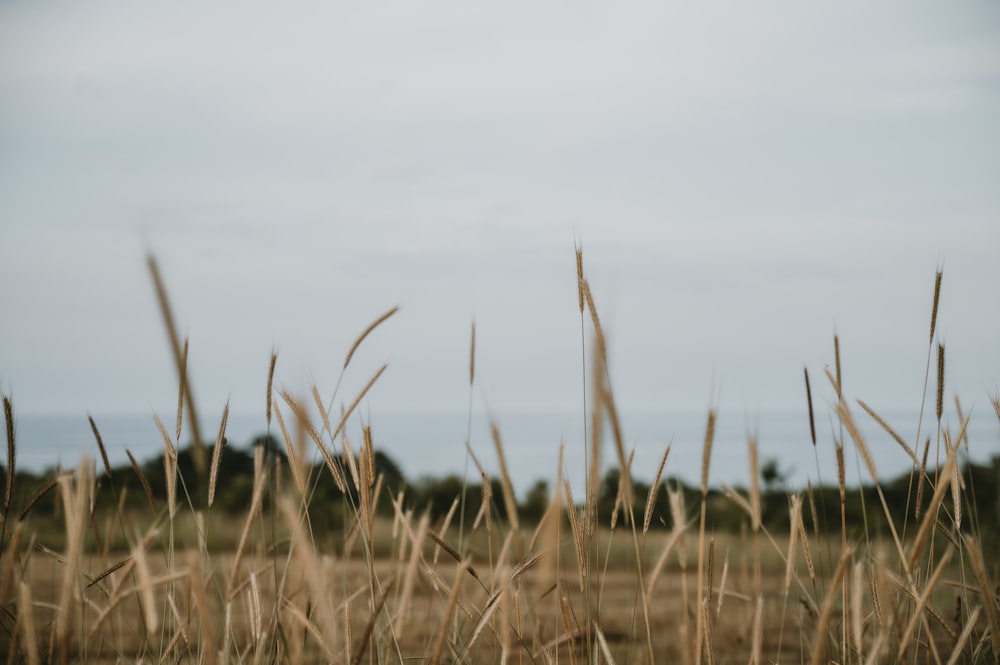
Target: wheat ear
(142, 479)
(220, 441)
(940, 382)
(809, 400)
(8, 414)
(270, 382)
(934, 307)
(100, 446)
(364, 333)
(653, 489)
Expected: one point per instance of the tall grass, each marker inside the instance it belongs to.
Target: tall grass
(583, 585)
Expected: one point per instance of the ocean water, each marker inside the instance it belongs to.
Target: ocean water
(433, 444)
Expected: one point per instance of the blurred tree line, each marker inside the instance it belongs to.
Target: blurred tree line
(331, 509)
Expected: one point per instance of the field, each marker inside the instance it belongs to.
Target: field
(623, 574)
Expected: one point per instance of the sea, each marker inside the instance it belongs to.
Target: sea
(434, 444)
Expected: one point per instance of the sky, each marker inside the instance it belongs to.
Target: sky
(745, 180)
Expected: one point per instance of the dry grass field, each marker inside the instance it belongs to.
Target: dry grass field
(580, 586)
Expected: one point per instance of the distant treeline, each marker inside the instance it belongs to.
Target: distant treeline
(331, 509)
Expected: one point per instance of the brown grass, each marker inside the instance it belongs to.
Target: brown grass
(377, 591)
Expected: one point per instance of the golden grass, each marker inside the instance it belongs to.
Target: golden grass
(602, 590)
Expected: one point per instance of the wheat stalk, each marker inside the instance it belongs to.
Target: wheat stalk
(76, 492)
(934, 307)
(142, 479)
(508, 489)
(169, 467)
(409, 579)
(472, 355)
(595, 319)
(940, 382)
(11, 470)
(603, 642)
(794, 530)
(917, 612)
(11, 557)
(986, 588)
(920, 479)
(826, 611)
(653, 489)
(220, 441)
(449, 612)
(39, 493)
(298, 473)
(372, 326)
(369, 627)
(100, 445)
(305, 422)
(181, 388)
(255, 505)
(676, 535)
(26, 619)
(705, 463)
(809, 400)
(574, 525)
(357, 400)
(836, 353)
(198, 449)
(150, 616)
(890, 431)
(270, 382)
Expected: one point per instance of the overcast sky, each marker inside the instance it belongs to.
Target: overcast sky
(745, 179)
